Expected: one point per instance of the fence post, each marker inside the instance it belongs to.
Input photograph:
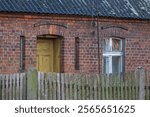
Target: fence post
(32, 84)
(140, 73)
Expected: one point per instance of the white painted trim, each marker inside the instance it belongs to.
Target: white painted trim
(112, 54)
(111, 44)
(121, 63)
(110, 64)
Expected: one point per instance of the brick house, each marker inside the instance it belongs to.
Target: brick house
(77, 36)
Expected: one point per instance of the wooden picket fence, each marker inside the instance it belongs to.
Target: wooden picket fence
(13, 86)
(55, 86)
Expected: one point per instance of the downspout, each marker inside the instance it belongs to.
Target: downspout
(98, 40)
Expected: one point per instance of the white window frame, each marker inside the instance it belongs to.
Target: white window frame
(112, 53)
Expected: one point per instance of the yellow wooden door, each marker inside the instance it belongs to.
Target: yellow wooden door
(48, 52)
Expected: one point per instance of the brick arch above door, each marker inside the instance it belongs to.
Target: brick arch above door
(43, 30)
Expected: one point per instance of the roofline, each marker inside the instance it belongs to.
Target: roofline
(72, 15)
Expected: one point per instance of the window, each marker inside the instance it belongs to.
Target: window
(113, 52)
(76, 53)
(22, 53)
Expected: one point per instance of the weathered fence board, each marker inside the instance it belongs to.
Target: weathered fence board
(147, 80)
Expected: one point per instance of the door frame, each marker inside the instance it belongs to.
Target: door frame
(47, 37)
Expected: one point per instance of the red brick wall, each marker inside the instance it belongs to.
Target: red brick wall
(137, 41)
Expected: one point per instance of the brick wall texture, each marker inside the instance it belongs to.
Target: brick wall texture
(135, 32)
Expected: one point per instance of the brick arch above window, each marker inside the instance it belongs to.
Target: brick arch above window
(114, 26)
(114, 31)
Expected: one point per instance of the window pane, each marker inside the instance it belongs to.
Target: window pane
(116, 64)
(116, 45)
(107, 46)
(77, 53)
(106, 65)
(22, 53)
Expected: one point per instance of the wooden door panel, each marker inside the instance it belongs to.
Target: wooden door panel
(46, 65)
(57, 55)
(37, 64)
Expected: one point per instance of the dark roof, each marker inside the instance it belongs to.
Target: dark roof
(139, 9)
